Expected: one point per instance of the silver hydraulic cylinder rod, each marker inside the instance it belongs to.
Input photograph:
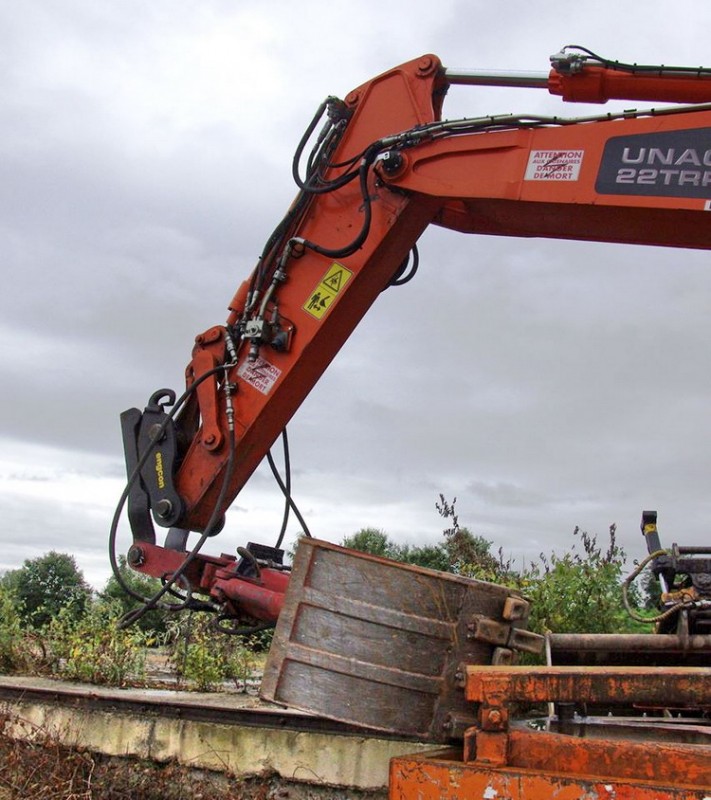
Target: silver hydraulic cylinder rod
(493, 77)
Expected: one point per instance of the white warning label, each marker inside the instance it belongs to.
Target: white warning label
(260, 374)
(554, 165)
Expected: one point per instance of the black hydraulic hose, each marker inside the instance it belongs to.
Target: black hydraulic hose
(303, 141)
(659, 69)
(133, 477)
(286, 490)
(287, 486)
(134, 616)
(241, 631)
(357, 243)
(326, 140)
(403, 274)
(275, 238)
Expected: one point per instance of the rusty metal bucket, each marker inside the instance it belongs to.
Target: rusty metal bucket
(379, 644)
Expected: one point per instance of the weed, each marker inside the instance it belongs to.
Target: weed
(205, 659)
(93, 648)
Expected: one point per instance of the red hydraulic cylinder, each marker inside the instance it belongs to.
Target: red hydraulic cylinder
(261, 598)
(600, 84)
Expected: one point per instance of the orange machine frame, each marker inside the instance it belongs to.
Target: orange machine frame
(490, 179)
(502, 761)
(388, 166)
(385, 167)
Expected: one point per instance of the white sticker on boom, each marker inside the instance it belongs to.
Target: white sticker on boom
(554, 165)
(260, 374)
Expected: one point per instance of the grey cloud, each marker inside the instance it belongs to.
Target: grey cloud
(506, 494)
(546, 384)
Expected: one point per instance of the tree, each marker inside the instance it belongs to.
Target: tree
(373, 541)
(463, 553)
(47, 584)
(467, 553)
(376, 542)
(432, 556)
(578, 591)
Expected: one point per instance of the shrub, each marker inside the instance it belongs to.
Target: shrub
(17, 648)
(205, 659)
(580, 591)
(93, 648)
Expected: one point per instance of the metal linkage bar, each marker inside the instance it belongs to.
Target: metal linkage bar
(628, 643)
(495, 77)
(673, 686)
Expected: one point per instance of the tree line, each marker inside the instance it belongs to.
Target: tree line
(576, 591)
(53, 623)
(51, 617)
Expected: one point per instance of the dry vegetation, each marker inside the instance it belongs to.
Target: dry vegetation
(40, 768)
(43, 769)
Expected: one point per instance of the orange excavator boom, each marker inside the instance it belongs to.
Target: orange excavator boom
(385, 165)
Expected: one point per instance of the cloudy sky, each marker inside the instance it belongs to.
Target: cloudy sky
(145, 155)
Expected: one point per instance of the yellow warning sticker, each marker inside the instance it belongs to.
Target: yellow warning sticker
(325, 293)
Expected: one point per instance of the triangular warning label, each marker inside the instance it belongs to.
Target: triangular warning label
(328, 289)
(334, 280)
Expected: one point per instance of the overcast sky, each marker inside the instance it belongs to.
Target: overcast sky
(145, 156)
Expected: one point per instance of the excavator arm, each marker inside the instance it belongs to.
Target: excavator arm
(384, 166)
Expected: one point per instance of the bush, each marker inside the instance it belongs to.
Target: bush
(93, 649)
(17, 648)
(580, 591)
(205, 659)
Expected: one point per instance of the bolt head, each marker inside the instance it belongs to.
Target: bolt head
(164, 508)
(392, 162)
(135, 556)
(426, 65)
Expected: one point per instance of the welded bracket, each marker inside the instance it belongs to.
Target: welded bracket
(503, 634)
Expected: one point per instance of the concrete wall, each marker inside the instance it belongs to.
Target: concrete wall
(313, 757)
